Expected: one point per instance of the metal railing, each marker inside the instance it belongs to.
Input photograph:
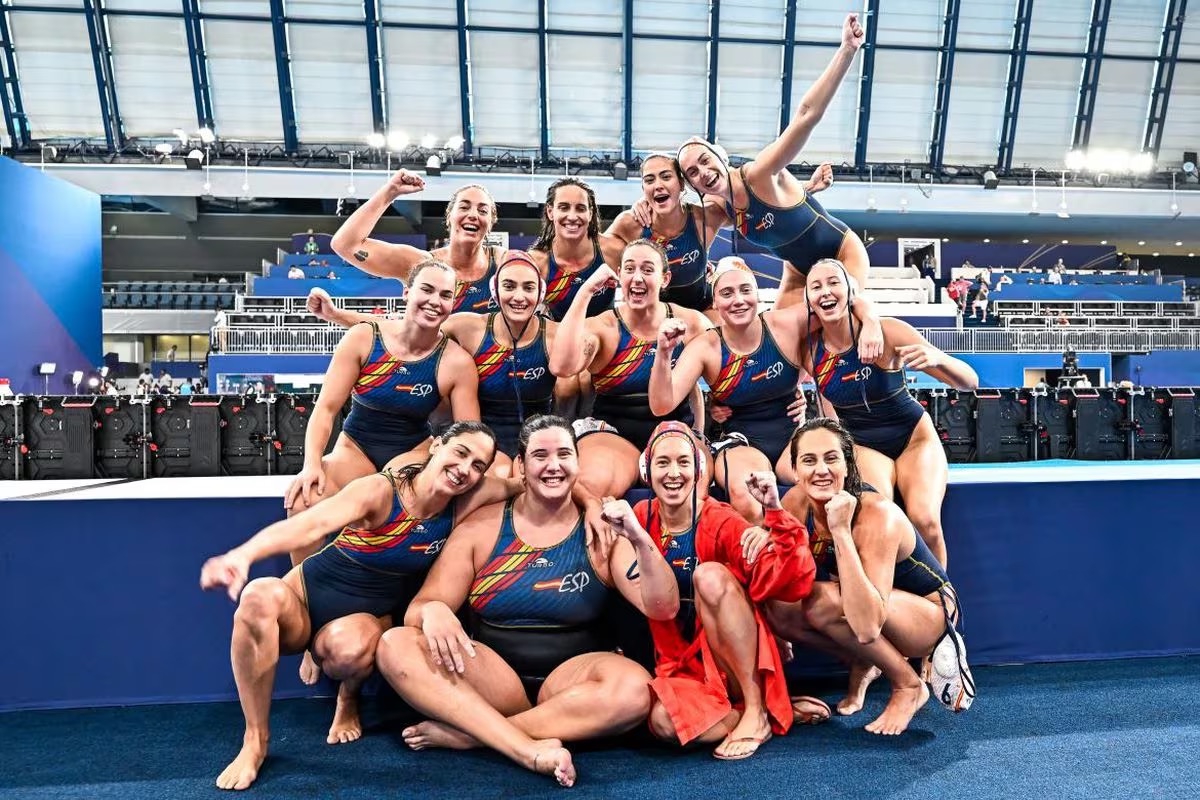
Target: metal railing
(322, 340)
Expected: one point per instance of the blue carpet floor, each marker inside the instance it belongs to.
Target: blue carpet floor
(1128, 729)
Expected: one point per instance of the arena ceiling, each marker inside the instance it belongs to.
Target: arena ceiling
(1001, 84)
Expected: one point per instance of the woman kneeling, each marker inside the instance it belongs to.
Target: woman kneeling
(537, 672)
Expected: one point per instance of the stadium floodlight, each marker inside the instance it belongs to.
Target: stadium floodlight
(397, 140)
(376, 140)
(429, 141)
(206, 135)
(989, 179)
(1062, 206)
(194, 159)
(1142, 163)
(454, 142)
(181, 135)
(433, 167)
(166, 148)
(1076, 160)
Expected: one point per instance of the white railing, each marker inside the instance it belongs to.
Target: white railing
(322, 340)
(1112, 308)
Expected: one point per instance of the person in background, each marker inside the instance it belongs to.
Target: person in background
(1054, 278)
(1002, 281)
(174, 351)
(296, 272)
(186, 388)
(331, 276)
(311, 248)
(223, 280)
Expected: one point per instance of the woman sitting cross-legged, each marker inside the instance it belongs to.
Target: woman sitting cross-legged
(717, 650)
(537, 671)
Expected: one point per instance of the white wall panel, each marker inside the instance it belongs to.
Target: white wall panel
(1182, 131)
(1060, 25)
(748, 96)
(976, 109)
(670, 88)
(325, 9)
(245, 84)
(586, 92)
(586, 15)
(58, 79)
(504, 85)
(132, 5)
(1122, 102)
(833, 139)
(902, 99)
(986, 23)
(1189, 40)
(421, 72)
(755, 19)
(916, 22)
(1047, 115)
(329, 75)
(413, 12)
(153, 75)
(260, 7)
(1135, 27)
(508, 13)
(672, 17)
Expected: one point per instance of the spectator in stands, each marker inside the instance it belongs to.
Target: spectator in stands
(1059, 266)
(311, 248)
(147, 376)
(172, 353)
(222, 280)
(1054, 278)
(985, 277)
(296, 272)
(186, 388)
(899, 444)
(1073, 282)
(980, 303)
(331, 276)
(1041, 384)
(957, 291)
(219, 334)
(1083, 382)
(1002, 281)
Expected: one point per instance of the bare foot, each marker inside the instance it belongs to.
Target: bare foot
(905, 702)
(310, 673)
(750, 733)
(429, 734)
(551, 758)
(861, 677)
(809, 711)
(346, 727)
(242, 771)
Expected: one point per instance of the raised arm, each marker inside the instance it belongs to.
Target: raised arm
(320, 305)
(776, 156)
(358, 501)
(383, 259)
(916, 352)
(574, 344)
(339, 381)
(783, 570)
(626, 228)
(671, 386)
(866, 563)
(639, 570)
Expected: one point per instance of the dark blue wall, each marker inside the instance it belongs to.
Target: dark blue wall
(1002, 370)
(1162, 368)
(49, 277)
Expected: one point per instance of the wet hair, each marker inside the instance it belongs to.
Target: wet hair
(429, 263)
(542, 422)
(494, 216)
(545, 238)
(674, 165)
(653, 245)
(404, 476)
(854, 482)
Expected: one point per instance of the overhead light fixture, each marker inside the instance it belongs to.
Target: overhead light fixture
(1191, 255)
(1062, 206)
(165, 148)
(433, 166)
(987, 241)
(206, 135)
(182, 136)
(945, 240)
(1024, 241)
(194, 159)
(1104, 241)
(1179, 244)
(990, 181)
(1066, 241)
(870, 238)
(1142, 163)
(1154, 254)
(1142, 243)
(428, 141)
(375, 140)
(455, 142)
(1076, 160)
(397, 140)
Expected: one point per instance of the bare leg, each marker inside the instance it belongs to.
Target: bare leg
(270, 617)
(342, 465)
(608, 465)
(663, 728)
(346, 649)
(475, 703)
(732, 634)
(732, 465)
(921, 475)
(877, 470)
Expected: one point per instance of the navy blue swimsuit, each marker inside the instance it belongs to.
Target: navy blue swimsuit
(758, 388)
(392, 401)
(687, 260)
(476, 295)
(514, 385)
(873, 404)
(562, 286)
(801, 235)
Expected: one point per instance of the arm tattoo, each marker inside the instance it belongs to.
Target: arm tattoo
(632, 573)
(360, 255)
